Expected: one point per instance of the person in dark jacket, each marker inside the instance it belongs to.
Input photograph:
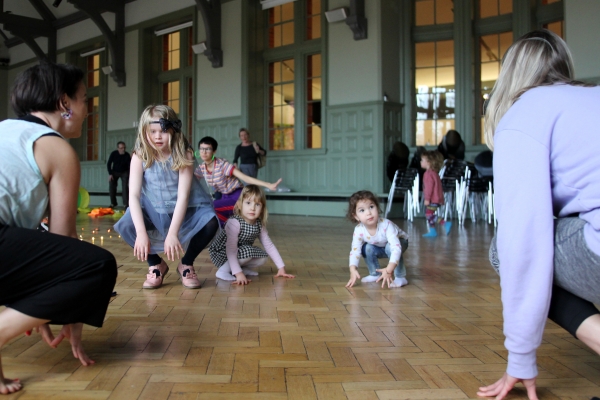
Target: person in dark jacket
(452, 146)
(118, 167)
(397, 160)
(247, 152)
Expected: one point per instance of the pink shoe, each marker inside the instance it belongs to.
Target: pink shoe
(189, 279)
(155, 276)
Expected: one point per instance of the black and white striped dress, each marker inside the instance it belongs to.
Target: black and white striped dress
(246, 249)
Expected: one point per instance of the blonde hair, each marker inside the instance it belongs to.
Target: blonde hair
(178, 144)
(538, 58)
(435, 159)
(253, 191)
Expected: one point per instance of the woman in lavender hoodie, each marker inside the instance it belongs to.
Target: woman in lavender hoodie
(543, 128)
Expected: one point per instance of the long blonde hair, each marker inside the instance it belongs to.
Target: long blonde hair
(538, 58)
(253, 191)
(180, 148)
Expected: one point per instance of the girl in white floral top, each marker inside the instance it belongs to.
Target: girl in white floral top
(375, 238)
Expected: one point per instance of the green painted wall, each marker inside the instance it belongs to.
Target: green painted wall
(354, 66)
(11, 75)
(581, 32)
(390, 50)
(123, 102)
(219, 90)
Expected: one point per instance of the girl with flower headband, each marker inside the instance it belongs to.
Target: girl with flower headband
(169, 209)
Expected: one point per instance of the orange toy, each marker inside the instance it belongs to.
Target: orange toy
(99, 212)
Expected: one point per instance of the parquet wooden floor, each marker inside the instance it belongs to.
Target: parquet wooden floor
(440, 337)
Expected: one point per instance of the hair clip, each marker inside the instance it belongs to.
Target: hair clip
(165, 124)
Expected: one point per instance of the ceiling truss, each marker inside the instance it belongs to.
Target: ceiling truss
(27, 29)
(211, 15)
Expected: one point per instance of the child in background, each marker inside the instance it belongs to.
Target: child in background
(233, 247)
(375, 238)
(168, 208)
(433, 193)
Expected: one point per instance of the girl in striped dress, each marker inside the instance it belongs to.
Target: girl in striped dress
(234, 247)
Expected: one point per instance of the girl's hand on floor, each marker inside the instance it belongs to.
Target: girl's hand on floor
(281, 273)
(385, 277)
(173, 247)
(141, 247)
(354, 276)
(504, 385)
(241, 279)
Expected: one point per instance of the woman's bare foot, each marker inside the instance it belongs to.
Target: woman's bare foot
(8, 386)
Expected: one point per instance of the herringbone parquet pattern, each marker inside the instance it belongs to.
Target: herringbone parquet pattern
(440, 337)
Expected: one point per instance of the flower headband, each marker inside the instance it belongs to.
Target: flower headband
(165, 124)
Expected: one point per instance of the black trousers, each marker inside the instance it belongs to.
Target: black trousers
(55, 277)
(112, 188)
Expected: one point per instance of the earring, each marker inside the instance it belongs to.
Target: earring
(67, 114)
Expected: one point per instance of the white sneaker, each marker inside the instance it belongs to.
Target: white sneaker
(249, 272)
(399, 282)
(225, 274)
(369, 278)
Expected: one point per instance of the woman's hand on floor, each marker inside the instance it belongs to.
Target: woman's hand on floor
(74, 332)
(504, 385)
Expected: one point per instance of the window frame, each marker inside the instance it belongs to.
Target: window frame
(299, 52)
(151, 66)
(467, 62)
(80, 144)
(182, 75)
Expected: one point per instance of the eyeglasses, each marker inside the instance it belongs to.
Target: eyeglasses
(205, 149)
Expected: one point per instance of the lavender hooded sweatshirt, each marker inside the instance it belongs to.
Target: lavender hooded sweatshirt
(546, 164)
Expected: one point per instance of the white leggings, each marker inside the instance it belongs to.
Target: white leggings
(246, 262)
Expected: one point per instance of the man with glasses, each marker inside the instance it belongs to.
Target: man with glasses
(118, 167)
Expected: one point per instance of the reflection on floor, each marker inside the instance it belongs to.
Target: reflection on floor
(440, 337)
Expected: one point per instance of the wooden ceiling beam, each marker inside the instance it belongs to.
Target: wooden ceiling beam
(114, 40)
(27, 29)
(211, 15)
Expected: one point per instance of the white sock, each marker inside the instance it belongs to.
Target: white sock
(249, 272)
(369, 278)
(399, 282)
(225, 273)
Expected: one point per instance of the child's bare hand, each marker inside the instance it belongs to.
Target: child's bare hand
(354, 276)
(141, 247)
(426, 202)
(172, 247)
(281, 273)
(385, 277)
(240, 279)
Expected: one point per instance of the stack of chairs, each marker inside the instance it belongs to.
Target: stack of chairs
(454, 179)
(484, 166)
(478, 197)
(405, 182)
